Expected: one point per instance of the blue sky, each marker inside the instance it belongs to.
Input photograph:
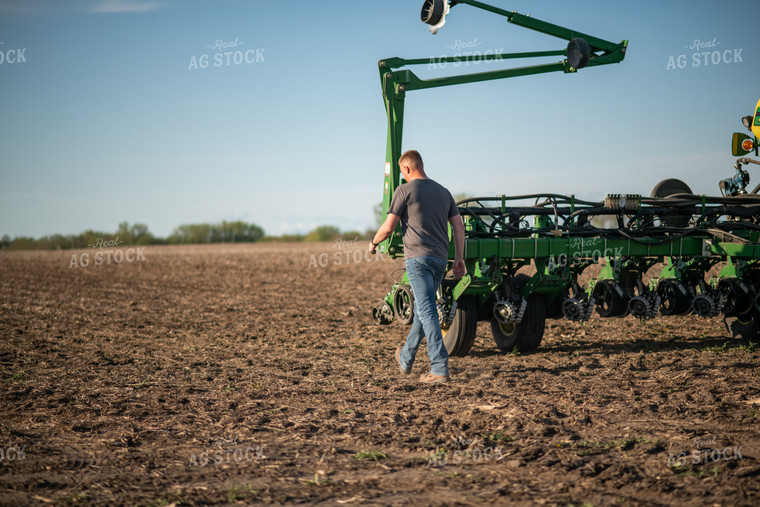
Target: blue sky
(107, 120)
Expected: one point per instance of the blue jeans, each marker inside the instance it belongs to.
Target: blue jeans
(425, 275)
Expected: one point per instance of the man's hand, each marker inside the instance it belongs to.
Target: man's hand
(384, 232)
(459, 269)
(457, 229)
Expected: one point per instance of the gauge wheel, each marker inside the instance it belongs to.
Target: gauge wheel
(403, 304)
(525, 336)
(610, 299)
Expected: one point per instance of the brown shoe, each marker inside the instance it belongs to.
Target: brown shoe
(405, 371)
(429, 378)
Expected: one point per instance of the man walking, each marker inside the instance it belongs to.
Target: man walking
(424, 207)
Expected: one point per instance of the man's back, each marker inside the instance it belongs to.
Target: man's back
(424, 207)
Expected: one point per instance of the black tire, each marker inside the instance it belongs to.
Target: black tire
(666, 188)
(403, 304)
(432, 11)
(675, 297)
(744, 327)
(611, 300)
(460, 335)
(578, 53)
(737, 299)
(670, 187)
(525, 336)
(554, 307)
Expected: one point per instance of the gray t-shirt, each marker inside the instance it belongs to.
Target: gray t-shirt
(424, 208)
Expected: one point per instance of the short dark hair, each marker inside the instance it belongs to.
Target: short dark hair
(414, 159)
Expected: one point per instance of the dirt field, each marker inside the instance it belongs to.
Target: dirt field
(254, 374)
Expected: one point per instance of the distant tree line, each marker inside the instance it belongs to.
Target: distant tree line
(225, 232)
(138, 234)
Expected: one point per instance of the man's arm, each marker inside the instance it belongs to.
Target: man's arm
(384, 232)
(457, 228)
